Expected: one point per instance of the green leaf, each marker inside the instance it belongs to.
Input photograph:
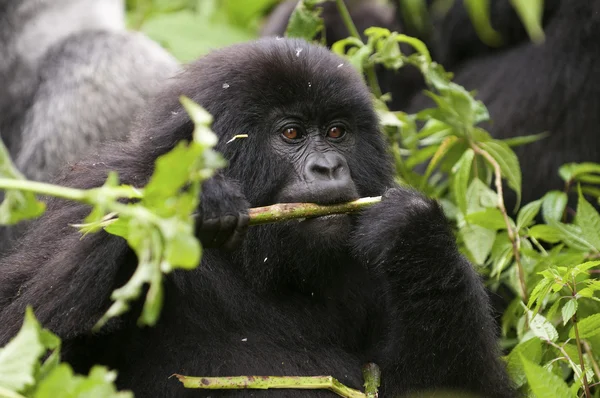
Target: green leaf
(553, 205)
(568, 310)
(588, 327)
(508, 162)
(18, 359)
(439, 155)
(572, 171)
(62, 382)
(528, 213)
(305, 22)
(531, 349)
(589, 221)
(531, 13)
(545, 233)
(171, 172)
(524, 139)
(490, 218)
(18, 206)
(502, 254)
(188, 34)
(478, 240)
(462, 172)
(184, 251)
(571, 235)
(202, 135)
(479, 12)
(544, 383)
(539, 292)
(540, 327)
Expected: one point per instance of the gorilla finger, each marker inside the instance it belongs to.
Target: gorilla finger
(239, 233)
(208, 230)
(226, 226)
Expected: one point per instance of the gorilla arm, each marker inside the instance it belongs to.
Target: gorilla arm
(68, 278)
(439, 333)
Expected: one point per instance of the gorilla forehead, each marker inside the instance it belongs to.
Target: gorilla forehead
(279, 73)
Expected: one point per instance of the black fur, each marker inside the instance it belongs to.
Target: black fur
(316, 297)
(528, 89)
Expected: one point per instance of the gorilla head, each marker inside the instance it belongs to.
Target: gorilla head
(307, 114)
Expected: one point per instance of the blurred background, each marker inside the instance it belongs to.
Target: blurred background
(190, 28)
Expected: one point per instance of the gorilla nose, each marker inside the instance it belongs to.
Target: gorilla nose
(327, 167)
(328, 180)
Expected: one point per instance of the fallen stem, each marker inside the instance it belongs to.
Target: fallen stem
(372, 376)
(290, 211)
(270, 382)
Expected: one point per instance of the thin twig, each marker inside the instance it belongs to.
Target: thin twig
(271, 382)
(588, 350)
(290, 211)
(586, 386)
(512, 234)
(369, 69)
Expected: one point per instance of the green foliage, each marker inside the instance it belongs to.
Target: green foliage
(25, 373)
(190, 28)
(545, 251)
(305, 21)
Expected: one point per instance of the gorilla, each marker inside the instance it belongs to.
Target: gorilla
(311, 297)
(72, 77)
(529, 88)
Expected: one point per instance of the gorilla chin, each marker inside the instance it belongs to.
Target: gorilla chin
(328, 227)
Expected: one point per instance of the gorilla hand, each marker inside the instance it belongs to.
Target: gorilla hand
(405, 224)
(223, 219)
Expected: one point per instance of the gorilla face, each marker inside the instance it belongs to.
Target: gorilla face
(317, 155)
(313, 135)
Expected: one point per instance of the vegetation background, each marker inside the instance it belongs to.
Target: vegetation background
(546, 252)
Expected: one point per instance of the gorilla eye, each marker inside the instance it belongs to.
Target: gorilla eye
(336, 132)
(291, 133)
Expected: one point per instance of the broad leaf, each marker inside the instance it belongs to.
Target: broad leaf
(544, 383)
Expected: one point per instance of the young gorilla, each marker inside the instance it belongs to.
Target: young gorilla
(319, 296)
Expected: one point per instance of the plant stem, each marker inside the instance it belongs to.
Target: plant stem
(42, 188)
(512, 234)
(586, 386)
(369, 69)
(77, 195)
(588, 350)
(268, 382)
(372, 377)
(565, 354)
(290, 211)
(347, 19)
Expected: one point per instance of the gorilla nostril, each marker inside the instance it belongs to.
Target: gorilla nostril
(326, 167)
(319, 172)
